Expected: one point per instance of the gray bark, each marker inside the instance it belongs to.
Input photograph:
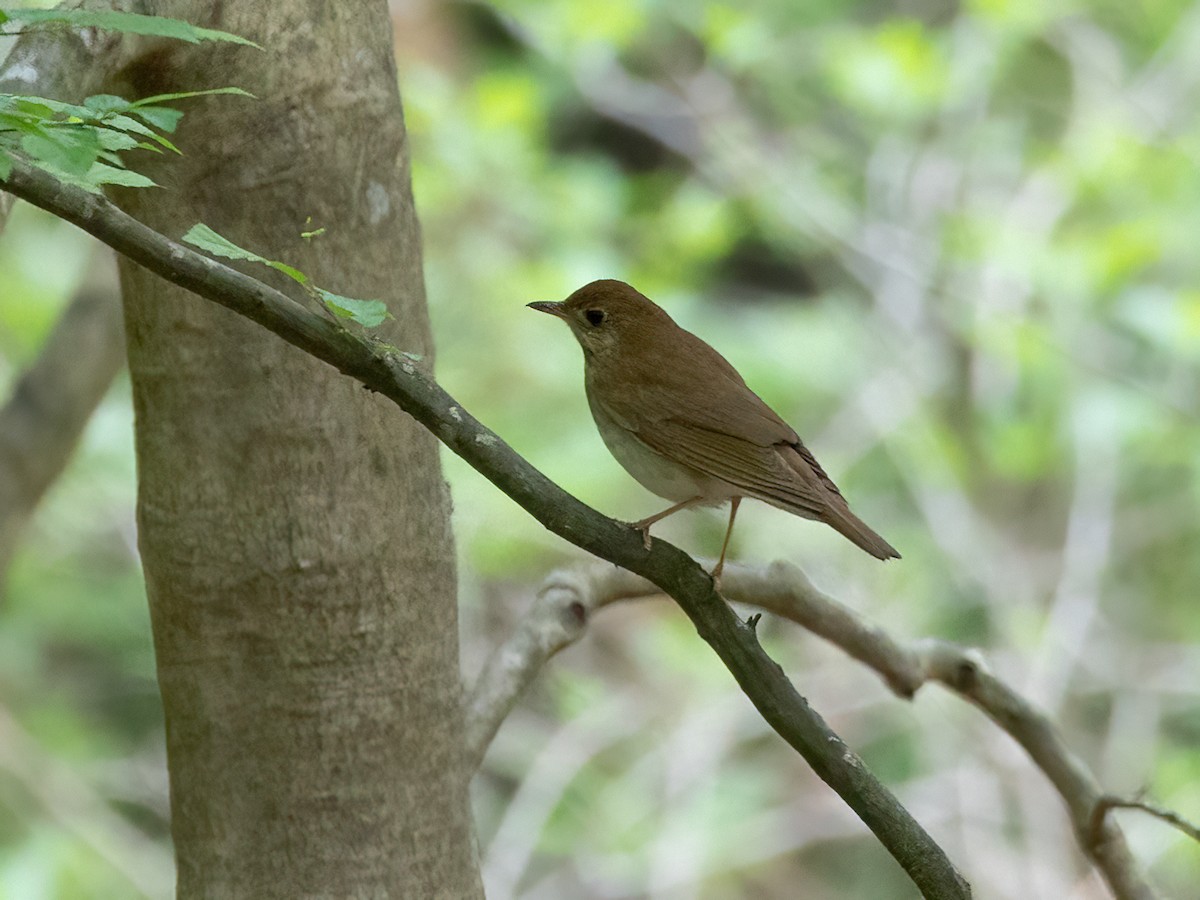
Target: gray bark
(294, 530)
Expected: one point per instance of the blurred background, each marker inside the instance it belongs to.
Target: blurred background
(954, 244)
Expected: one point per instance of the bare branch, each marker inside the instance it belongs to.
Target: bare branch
(558, 618)
(568, 598)
(390, 372)
(1109, 802)
(53, 400)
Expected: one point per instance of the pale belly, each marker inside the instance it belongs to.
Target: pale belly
(654, 471)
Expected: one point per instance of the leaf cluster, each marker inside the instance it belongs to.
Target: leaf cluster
(129, 23)
(82, 144)
(368, 313)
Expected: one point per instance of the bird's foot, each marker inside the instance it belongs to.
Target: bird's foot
(644, 527)
(715, 574)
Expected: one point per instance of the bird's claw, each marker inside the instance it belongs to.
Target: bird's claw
(645, 531)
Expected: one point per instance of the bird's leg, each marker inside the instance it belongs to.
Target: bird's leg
(716, 572)
(644, 525)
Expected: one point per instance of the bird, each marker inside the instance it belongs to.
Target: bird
(680, 419)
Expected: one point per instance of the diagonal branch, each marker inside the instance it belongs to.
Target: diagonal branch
(53, 400)
(1108, 802)
(390, 372)
(567, 599)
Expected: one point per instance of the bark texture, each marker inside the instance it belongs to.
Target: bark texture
(295, 533)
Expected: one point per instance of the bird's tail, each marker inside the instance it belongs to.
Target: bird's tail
(817, 497)
(848, 524)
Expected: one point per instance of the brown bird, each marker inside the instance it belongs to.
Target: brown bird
(680, 419)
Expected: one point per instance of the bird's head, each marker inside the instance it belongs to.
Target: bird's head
(607, 315)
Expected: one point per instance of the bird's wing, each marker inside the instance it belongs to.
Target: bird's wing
(667, 389)
(727, 431)
(774, 472)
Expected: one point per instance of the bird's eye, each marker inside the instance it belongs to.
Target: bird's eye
(594, 316)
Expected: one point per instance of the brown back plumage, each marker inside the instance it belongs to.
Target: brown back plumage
(685, 401)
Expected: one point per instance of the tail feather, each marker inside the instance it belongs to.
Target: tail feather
(813, 494)
(854, 528)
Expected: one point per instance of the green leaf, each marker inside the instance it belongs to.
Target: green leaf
(164, 117)
(45, 108)
(104, 174)
(184, 95)
(127, 123)
(10, 122)
(80, 181)
(5, 165)
(200, 235)
(161, 117)
(71, 150)
(29, 106)
(290, 271)
(130, 23)
(368, 313)
(103, 103)
(118, 140)
(162, 141)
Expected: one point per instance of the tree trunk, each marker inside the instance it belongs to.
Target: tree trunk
(294, 530)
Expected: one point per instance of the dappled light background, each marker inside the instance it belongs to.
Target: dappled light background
(953, 244)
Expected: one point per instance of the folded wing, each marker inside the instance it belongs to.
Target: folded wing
(737, 438)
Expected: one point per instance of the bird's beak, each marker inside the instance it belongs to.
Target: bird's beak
(548, 306)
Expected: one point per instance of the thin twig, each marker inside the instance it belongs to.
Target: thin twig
(53, 400)
(1110, 802)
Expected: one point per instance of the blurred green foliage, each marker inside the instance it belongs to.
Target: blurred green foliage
(953, 244)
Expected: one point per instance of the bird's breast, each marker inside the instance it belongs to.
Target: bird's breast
(655, 472)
